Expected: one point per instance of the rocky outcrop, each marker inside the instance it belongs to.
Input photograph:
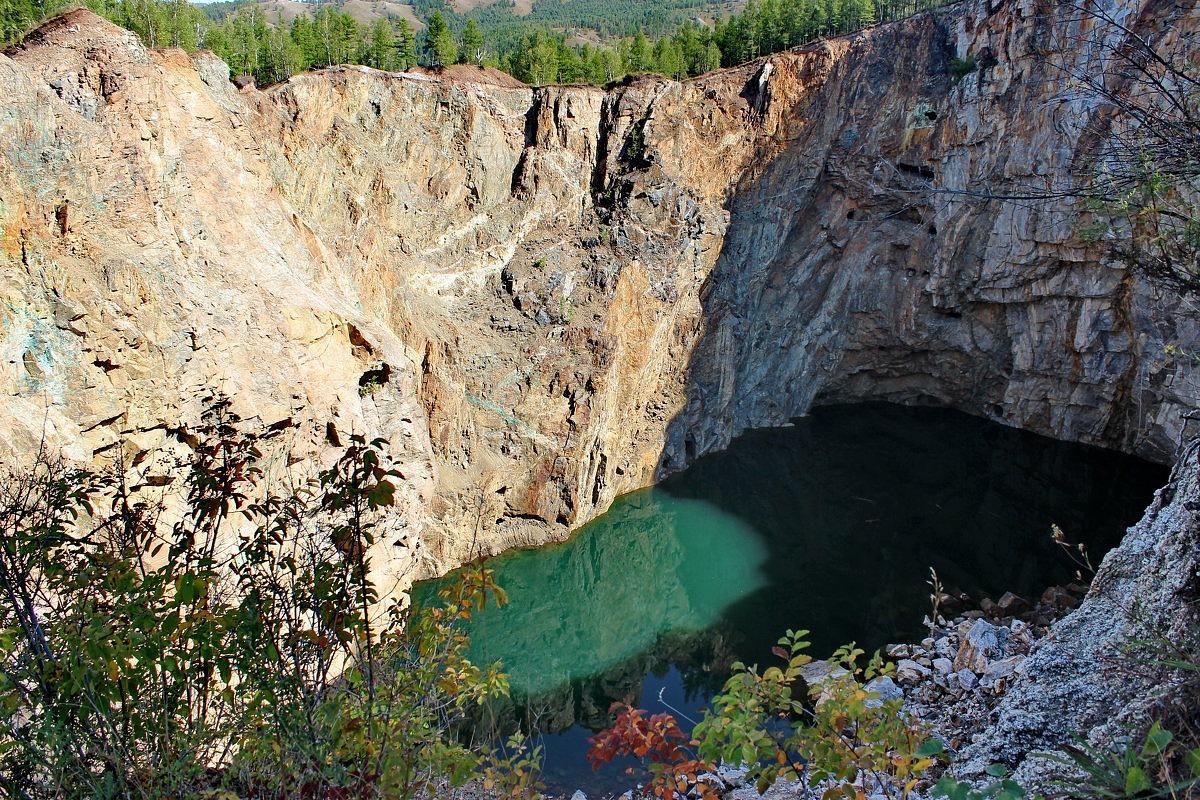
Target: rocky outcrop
(547, 297)
(1106, 671)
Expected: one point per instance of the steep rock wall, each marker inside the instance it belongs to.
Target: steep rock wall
(546, 297)
(858, 263)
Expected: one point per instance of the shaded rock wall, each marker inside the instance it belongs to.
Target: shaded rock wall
(547, 297)
(842, 279)
(1103, 673)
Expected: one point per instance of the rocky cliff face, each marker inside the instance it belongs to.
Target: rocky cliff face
(547, 297)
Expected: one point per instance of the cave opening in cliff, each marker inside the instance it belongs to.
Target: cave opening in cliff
(831, 524)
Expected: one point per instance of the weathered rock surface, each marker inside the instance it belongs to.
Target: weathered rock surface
(1088, 677)
(548, 297)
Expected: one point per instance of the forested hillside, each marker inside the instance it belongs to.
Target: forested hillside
(543, 42)
(552, 41)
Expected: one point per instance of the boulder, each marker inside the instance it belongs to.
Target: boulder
(1059, 598)
(982, 643)
(732, 777)
(910, 673)
(816, 673)
(1003, 668)
(1010, 604)
(887, 690)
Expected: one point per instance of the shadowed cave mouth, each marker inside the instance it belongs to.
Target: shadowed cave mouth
(830, 524)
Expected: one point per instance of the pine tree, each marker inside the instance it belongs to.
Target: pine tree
(668, 60)
(304, 36)
(346, 38)
(281, 57)
(536, 60)
(640, 56)
(832, 17)
(570, 65)
(406, 45)
(381, 50)
(814, 20)
(864, 13)
(439, 49)
(472, 44)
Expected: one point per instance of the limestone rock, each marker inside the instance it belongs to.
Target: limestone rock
(1002, 668)
(1067, 686)
(886, 688)
(539, 323)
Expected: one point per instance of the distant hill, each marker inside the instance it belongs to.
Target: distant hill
(584, 20)
(284, 11)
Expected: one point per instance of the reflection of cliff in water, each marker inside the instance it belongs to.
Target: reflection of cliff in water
(854, 504)
(632, 584)
(700, 660)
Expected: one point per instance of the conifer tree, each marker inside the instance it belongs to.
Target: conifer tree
(381, 50)
(640, 55)
(472, 44)
(439, 49)
(406, 45)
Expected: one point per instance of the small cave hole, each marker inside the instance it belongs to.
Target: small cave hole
(372, 379)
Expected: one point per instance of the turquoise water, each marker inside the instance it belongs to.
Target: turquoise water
(830, 525)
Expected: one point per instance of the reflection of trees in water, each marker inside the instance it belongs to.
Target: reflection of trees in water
(702, 658)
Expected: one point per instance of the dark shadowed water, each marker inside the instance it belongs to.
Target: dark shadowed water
(830, 525)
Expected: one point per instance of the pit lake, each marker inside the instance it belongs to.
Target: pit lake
(831, 524)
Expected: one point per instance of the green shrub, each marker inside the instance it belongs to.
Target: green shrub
(961, 67)
(223, 635)
(839, 733)
(1002, 788)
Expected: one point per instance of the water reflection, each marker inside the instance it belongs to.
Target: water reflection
(653, 565)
